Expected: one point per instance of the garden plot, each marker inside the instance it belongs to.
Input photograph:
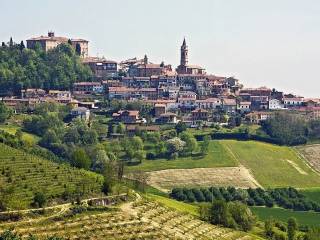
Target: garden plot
(165, 180)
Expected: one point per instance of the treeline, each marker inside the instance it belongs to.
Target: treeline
(288, 198)
(22, 68)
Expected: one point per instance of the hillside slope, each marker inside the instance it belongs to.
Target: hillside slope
(26, 174)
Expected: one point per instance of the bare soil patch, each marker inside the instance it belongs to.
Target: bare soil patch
(312, 154)
(165, 180)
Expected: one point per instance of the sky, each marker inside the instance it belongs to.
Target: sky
(274, 43)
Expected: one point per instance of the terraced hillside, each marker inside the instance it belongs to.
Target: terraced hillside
(139, 220)
(28, 174)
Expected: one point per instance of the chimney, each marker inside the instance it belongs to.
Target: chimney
(50, 34)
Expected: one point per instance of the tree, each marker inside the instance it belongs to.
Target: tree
(181, 127)
(80, 159)
(175, 145)
(11, 42)
(219, 213)
(21, 46)
(39, 199)
(242, 215)
(78, 49)
(101, 160)
(292, 228)
(5, 112)
(121, 128)
(191, 143)
(205, 145)
(268, 228)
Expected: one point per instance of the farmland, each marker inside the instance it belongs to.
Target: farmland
(28, 174)
(27, 137)
(142, 219)
(311, 154)
(268, 163)
(265, 162)
(165, 180)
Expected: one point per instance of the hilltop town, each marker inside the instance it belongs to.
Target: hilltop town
(186, 93)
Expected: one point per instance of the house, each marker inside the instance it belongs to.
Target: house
(33, 93)
(229, 105)
(169, 103)
(128, 117)
(132, 129)
(159, 109)
(257, 117)
(275, 104)
(81, 112)
(244, 107)
(167, 118)
(88, 87)
(209, 103)
(293, 101)
(199, 115)
(187, 94)
(59, 94)
(102, 68)
(51, 41)
(119, 92)
(147, 69)
(261, 91)
(260, 102)
(187, 103)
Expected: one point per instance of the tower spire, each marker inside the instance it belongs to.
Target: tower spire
(184, 53)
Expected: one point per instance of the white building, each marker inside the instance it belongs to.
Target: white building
(244, 107)
(209, 103)
(275, 104)
(293, 102)
(81, 112)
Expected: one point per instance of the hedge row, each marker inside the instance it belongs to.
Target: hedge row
(238, 136)
(288, 198)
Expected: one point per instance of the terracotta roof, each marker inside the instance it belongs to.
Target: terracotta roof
(168, 114)
(227, 101)
(55, 39)
(208, 100)
(199, 110)
(195, 67)
(149, 66)
(97, 60)
(86, 83)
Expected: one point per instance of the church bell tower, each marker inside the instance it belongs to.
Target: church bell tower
(184, 54)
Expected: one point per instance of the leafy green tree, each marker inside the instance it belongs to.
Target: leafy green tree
(191, 143)
(219, 213)
(80, 159)
(121, 128)
(5, 112)
(292, 228)
(205, 145)
(242, 215)
(181, 127)
(39, 199)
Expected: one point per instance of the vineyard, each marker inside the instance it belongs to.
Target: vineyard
(24, 175)
(139, 220)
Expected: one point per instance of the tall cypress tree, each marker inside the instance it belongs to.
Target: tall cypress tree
(21, 46)
(11, 42)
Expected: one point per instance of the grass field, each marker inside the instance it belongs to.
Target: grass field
(312, 154)
(312, 193)
(12, 129)
(217, 157)
(179, 206)
(303, 218)
(272, 165)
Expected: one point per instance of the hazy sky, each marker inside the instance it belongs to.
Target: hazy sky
(273, 43)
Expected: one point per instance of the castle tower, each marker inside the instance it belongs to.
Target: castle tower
(184, 54)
